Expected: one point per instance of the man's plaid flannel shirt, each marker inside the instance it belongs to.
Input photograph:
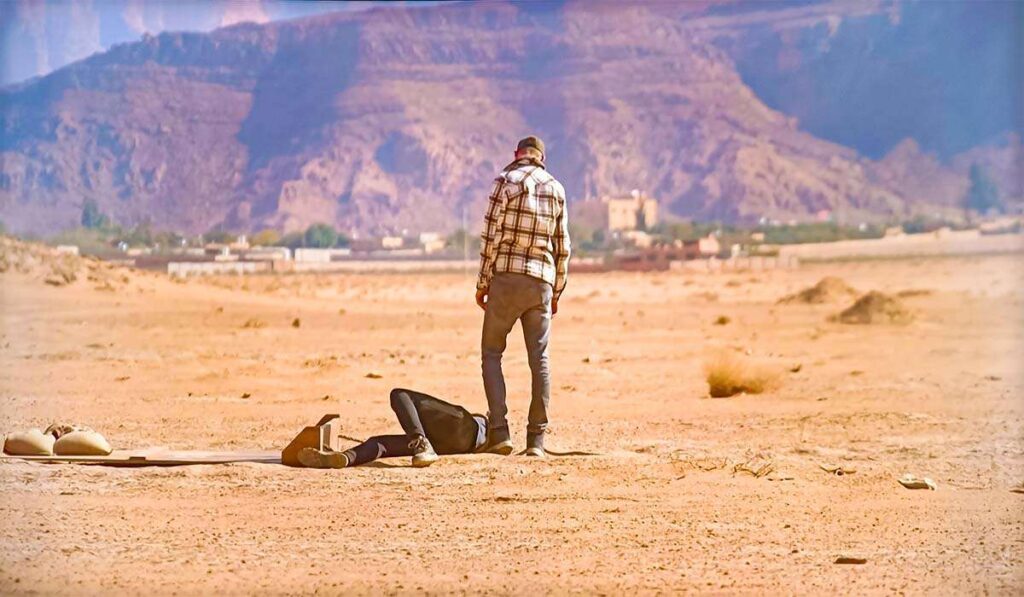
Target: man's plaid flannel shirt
(527, 227)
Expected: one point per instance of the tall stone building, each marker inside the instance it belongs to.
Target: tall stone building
(636, 212)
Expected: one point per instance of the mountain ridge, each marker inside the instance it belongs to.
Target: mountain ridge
(380, 122)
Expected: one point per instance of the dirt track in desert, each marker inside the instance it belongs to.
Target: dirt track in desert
(157, 362)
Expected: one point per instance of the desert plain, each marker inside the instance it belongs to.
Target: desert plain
(683, 493)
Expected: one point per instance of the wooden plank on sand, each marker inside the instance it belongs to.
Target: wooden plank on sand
(159, 457)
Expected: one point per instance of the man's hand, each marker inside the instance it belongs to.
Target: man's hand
(481, 298)
(554, 306)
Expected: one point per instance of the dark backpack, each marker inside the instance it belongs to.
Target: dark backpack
(450, 428)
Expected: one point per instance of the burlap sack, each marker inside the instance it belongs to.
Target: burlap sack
(29, 443)
(82, 443)
(59, 429)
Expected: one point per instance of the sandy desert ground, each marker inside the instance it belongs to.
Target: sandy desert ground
(149, 361)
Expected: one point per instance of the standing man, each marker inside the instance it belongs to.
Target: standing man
(524, 261)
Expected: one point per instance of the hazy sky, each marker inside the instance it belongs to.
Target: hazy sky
(39, 36)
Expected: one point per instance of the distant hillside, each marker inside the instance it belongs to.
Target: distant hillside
(388, 120)
(946, 74)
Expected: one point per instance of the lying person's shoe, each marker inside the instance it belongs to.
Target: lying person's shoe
(423, 453)
(535, 446)
(498, 442)
(313, 458)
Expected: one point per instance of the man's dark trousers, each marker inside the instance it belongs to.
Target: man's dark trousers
(513, 297)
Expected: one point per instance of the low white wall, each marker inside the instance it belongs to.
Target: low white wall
(386, 266)
(963, 242)
(267, 254)
(319, 255)
(183, 269)
(756, 263)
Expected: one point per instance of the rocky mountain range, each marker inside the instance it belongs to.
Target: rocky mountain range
(40, 36)
(397, 119)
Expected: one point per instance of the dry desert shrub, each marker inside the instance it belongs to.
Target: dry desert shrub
(828, 290)
(875, 307)
(914, 293)
(56, 268)
(62, 272)
(14, 256)
(727, 375)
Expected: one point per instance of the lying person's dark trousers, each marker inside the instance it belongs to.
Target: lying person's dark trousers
(451, 429)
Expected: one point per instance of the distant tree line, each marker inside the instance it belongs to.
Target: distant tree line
(98, 232)
(818, 232)
(317, 236)
(92, 217)
(462, 238)
(982, 194)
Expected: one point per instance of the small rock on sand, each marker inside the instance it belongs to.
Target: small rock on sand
(911, 482)
(837, 469)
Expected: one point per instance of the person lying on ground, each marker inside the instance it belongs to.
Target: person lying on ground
(432, 427)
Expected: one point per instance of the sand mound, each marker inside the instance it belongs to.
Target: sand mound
(55, 268)
(728, 375)
(828, 290)
(875, 307)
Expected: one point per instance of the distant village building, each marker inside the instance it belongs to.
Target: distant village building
(392, 242)
(365, 245)
(434, 246)
(1002, 225)
(707, 246)
(268, 254)
(661, 257)
(307, 255)
(310, 255)
(636, 212)
(639, 238)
